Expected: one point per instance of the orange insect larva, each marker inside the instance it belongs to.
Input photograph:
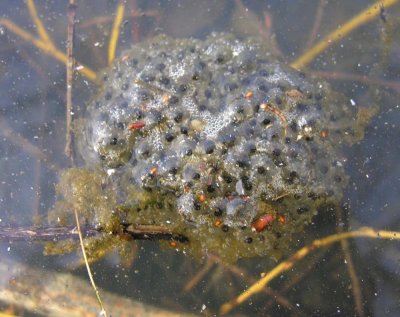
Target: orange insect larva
(262, 222)
(136, 125)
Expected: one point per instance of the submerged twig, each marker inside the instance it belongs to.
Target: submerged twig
(134, 11)
(355, 283)
(197, 278)
(241, 273)
(70, 74)
(115, 32)
(317, 23)
(367, 79)
(38, 22)
(44, 47)
(43, 234)
(140, 232)
(363, 17)
(295, 280)
(151, 232)
(300, 254)
(99, 20)
(103, 311)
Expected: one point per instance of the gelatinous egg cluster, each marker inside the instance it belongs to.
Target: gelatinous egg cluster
(219, 141)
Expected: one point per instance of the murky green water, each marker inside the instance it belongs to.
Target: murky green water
(32, 87)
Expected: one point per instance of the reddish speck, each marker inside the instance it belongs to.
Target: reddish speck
(201, 198)
(217, 222)
(281, 219)
(136, 125)
(124, 58)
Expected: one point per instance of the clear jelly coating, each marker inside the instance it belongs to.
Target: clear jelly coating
(206, 136)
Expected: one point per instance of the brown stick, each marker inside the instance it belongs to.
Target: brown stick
(44, 47)
(101, 20)
(395, 85)
(70, 74)
(141, 232)
(317, 24)
(42, 234)
(147, 232)
(196, 279)
(296, 279)
(241, 273)
(355, 282)
(39, 24)
(135, 23)
(286, 265)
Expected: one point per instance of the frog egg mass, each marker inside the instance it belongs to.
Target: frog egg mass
(216, 140)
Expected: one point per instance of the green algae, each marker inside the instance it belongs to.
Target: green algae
(85, 190)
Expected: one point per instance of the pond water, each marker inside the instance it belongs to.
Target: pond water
(364, 67)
